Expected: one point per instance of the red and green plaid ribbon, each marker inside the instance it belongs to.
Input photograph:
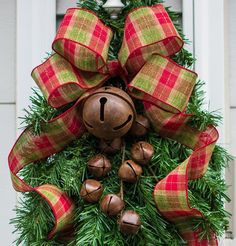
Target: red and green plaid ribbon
(80, 64)
(57, 134)
(171, 193)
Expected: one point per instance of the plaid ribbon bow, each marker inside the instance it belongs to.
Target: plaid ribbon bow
(80, 65)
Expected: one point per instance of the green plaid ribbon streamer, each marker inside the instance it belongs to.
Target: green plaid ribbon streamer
(80, 65)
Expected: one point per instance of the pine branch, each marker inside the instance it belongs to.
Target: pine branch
(40, 112)
(67, 170)
(33, 220)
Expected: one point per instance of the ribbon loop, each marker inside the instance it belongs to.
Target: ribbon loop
(164, 83)
(62, 83)
(83, 40)
(148, 30)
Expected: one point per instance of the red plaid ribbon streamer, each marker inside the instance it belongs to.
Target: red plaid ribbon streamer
(171, 193)
(57, 134)
(80, 65)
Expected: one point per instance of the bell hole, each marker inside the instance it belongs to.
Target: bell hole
(94, 191)
(131, 168)
(103, 101)
(125, 123)
(87, 124)
(95, 167)
(108, 205)
(103, 167)
(85, 186)
(141, 145)
(91, 193)
(107, 88)
(128, 223)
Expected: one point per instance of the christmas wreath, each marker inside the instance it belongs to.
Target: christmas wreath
(118, 151)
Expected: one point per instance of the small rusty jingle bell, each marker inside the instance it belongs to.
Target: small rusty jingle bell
(110, 146)
(140, 126)
(99, 166)
(142, 152)
(130, 172)
(108, 113)
(111, 204)
(91, 190)
(129, 222)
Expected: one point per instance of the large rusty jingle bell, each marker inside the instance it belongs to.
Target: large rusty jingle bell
(108, 113)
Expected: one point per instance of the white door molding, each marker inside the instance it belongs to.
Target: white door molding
(210, 52)
(205, 23)
(188, 24)
(36, 25)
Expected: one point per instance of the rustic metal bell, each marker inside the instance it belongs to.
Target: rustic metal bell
(110, 146)
(129, 171)
(91, 190)
(99, 166)
(140, 126)
(108, 113)
(111, 204)
(142, 152)
(129, 222)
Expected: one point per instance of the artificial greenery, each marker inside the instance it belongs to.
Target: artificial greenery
(67, 170)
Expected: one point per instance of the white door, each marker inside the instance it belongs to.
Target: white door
(8, 114)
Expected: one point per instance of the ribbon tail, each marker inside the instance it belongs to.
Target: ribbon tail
(171, 193)
(56, 135)
(61, 205)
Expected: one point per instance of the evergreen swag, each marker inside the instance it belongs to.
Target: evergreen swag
(67, 170)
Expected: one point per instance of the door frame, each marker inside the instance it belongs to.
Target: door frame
(209, 46)
(36, 26)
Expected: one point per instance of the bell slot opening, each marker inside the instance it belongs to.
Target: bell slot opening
(131, 168)
(125, 123)
(144, 157)
(87, 124)
(128, 223)
(108, 205)
(103, 101)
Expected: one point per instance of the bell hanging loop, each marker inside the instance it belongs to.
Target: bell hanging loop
(113, 7)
